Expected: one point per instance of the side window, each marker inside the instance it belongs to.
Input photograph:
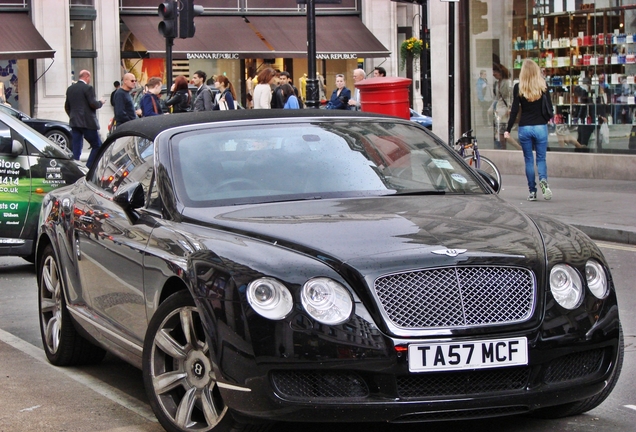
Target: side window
(5, 139)
(127, 160)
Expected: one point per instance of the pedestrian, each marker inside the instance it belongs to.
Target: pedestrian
(263, 90)
(227, 95)
(181, 98)
(116, 84)
(354, 102)
(500, 109)
(150, 104)
(340, 96)
(533, 128)
(379, 71)
(484, 95)
(203, 98)
(291, 101)
(81, 107)
(124, 106)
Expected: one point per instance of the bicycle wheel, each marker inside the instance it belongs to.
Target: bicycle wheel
(486, 165)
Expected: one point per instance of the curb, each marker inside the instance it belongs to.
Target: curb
(608, 234)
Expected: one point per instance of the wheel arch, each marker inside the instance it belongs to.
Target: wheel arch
(42, 242)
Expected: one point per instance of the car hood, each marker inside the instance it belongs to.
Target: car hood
(398, 232)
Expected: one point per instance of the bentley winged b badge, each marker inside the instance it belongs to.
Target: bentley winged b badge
(449, 252)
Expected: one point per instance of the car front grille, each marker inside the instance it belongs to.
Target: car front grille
(454, 297)
(462, 383)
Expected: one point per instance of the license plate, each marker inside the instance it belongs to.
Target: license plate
(446, 356)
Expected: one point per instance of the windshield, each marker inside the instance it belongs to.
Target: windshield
(234, 165)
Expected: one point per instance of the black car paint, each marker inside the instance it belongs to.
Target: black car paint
(216, 252)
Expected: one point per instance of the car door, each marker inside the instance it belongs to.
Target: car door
(15, 189)
(110, 240)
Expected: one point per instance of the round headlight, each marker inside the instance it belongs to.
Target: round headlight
(269, 298)
(326, 301)
(566, 286)
(596, 280)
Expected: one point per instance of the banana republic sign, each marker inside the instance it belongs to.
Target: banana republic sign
(235, 56)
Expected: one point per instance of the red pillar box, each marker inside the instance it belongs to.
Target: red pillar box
(385, 95)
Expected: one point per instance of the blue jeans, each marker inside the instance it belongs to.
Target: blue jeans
(534, 138)
(92, 136)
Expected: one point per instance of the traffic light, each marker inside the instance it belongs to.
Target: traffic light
(479, 10)
(186, 18)
(169, 13)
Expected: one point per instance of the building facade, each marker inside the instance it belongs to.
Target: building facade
(585, 47)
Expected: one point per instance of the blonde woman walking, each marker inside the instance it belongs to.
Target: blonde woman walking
(533, 126)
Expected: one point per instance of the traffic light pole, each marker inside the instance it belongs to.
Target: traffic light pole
(313, 99)
(169, 43)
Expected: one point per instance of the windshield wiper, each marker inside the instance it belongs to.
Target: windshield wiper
(270, 200)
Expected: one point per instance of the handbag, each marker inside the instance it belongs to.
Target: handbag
(546, 107)
(223, 104)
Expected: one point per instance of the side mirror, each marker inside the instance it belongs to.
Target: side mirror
(492, 182)
(131, 196)
(9, 146)
(16, 148)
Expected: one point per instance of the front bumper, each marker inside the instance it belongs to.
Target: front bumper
(381, 389)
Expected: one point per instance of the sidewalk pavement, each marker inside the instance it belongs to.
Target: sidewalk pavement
(603, 209)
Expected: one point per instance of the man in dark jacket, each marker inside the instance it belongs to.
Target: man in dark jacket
(124, 106)
(81, 107)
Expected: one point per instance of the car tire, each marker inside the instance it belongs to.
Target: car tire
(59, 138)
(179, 375)
(579, 407)
(63, 345)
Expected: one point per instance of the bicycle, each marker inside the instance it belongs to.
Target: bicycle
(468, 149)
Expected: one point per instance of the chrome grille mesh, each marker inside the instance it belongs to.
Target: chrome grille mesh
(457, 297)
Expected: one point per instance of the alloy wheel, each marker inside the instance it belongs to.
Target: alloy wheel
(51, 304)
(182, 374)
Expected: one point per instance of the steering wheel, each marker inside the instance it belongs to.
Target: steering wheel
(230, 184)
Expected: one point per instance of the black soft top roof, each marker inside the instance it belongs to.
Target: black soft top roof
(150, 127)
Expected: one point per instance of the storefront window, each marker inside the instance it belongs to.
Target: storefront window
(587, 53)
(83, 51)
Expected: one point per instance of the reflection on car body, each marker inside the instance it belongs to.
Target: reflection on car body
(319, 266)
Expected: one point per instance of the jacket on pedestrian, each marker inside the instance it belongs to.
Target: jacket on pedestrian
(203, 99)
(339, 101)
(262, 96)
(124, 107)
(278, 99)
(150, 105)
(227, 95)
(180, 101)
(81, 106)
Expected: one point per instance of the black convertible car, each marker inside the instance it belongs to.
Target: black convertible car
(319, 266)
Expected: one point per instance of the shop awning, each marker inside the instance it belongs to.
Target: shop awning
(337, 37)
(216, 37)
(219, 37)
(19, 39)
